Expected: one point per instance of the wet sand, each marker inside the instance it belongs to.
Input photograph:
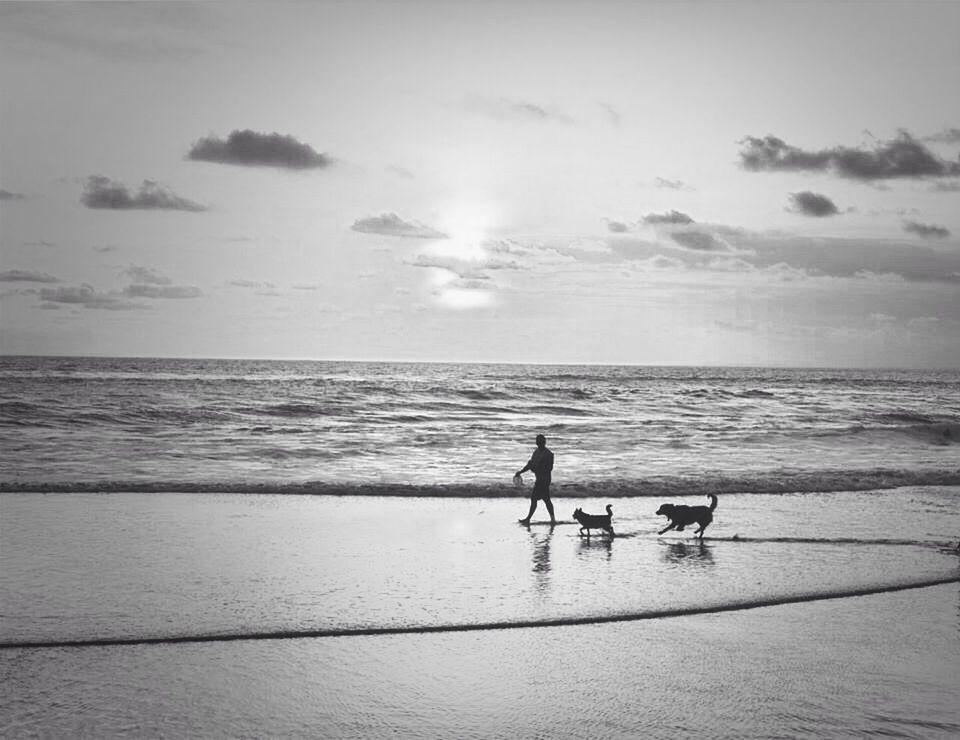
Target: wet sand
(886, 664)
(147, 566)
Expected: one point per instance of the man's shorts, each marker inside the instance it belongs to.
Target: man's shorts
(541, 489)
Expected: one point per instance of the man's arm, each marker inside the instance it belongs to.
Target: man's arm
(528, 466)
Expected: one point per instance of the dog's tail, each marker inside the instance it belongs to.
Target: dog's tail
(713, 501)
(609, 510)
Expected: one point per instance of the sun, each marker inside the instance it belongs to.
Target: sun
(468, 224)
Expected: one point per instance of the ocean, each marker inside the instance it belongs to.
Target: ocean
(225, 548)
(159, 425)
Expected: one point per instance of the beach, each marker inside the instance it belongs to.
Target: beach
(563, 636)
(211, 548)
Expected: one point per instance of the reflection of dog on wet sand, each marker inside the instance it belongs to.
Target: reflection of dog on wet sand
(595, 521)
(681, 516)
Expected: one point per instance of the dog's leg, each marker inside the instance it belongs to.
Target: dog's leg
(669, 526)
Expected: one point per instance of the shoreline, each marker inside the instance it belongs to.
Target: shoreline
(426, 629)
(760, 484)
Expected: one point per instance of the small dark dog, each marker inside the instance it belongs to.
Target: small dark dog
(595, 521)
(680, 515)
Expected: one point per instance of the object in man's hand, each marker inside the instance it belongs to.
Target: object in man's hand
(518, 480)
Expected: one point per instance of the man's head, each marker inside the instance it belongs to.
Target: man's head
(541, 441)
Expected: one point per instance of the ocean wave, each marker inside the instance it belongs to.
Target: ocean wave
(931, 432)
(773, 482)
(726, 393)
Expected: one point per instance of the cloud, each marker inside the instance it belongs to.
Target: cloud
(250, 284)
(927, 231)
(121, 33)
(471, 269)
(253, 149)
(401, 172)
(7, 195)
(902, 157)
(613, 116)
(699, 241)
(661, 262)
(618, 227)
(390, 224)
(945, 187)
(661, 182)
(521, 110)
(673, 217)
(812, 204)
(947, 136)
(87, 296)
(848, 258)
(142, 290)
(26, 276)
(101, 192)
(146, 275)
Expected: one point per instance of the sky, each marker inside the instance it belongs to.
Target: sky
(653, 183)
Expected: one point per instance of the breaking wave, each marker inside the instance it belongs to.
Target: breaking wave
(778, 482)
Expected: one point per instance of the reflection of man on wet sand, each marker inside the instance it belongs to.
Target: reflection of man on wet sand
(541, 463)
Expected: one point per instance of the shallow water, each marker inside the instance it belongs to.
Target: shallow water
(81, 566)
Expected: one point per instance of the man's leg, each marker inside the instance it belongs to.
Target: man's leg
(549, 505)
(533, 508)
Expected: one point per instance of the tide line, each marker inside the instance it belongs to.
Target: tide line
(480, 626)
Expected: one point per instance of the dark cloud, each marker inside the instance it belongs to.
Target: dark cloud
(7, 195)
(390, 224)
(146, 275)
(927, 231)
(87, 296)
(26, 276)
(673, 217)
(812, 204)
(618, 227)
(253, 149)
(143, 290)
(902, 157)
(101, 192)
(699, 241)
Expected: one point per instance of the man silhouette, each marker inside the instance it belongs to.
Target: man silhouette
(541, 463)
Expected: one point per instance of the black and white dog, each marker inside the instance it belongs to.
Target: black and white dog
(595, 521)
